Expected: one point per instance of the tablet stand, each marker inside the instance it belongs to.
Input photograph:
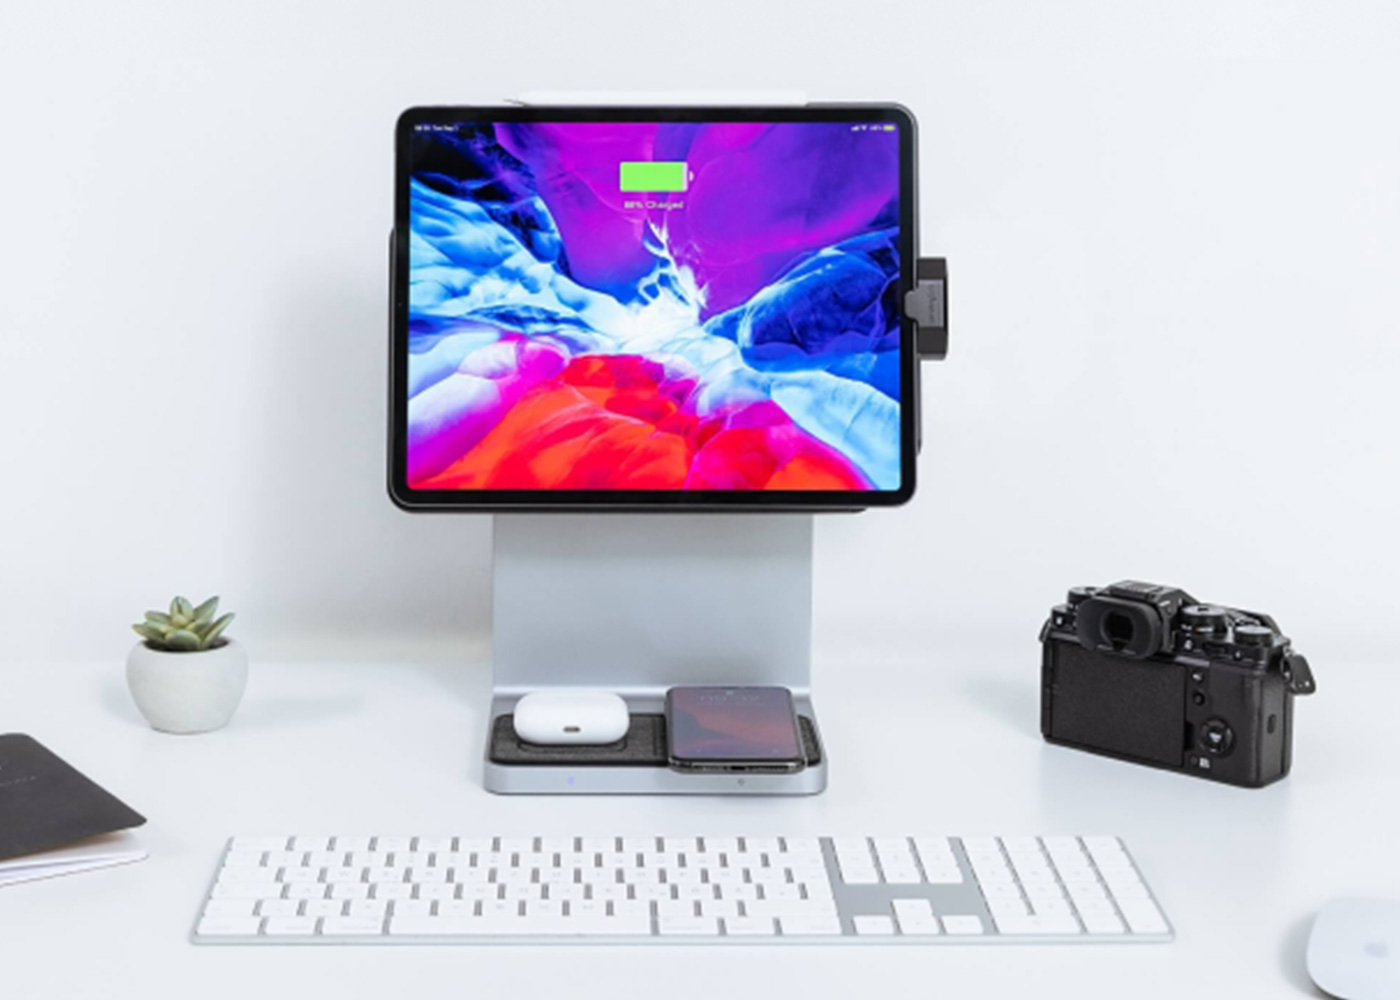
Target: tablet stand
(636, 604)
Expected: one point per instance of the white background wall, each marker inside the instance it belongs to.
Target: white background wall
(1174, 232)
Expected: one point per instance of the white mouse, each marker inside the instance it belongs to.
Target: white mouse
(571, 717)
(1354, 949)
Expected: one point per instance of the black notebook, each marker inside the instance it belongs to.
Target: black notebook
(53, 820)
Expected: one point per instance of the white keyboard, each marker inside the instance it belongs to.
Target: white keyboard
(929, 890)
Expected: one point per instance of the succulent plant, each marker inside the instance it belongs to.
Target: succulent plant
(185, 628)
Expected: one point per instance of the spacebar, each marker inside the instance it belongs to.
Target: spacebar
(518, 926)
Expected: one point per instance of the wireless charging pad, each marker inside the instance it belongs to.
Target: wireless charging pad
(638, 604)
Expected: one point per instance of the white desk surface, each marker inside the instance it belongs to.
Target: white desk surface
(918, 743)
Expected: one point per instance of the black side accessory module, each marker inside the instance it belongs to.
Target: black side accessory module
(927, 305)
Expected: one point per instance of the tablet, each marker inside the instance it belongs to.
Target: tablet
(653, 308)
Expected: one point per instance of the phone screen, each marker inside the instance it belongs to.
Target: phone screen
(732, 724)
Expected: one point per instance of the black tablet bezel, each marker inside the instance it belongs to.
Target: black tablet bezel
(648, 500)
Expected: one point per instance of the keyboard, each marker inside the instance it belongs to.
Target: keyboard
(558, 889)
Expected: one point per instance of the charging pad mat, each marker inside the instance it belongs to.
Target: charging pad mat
(643, 746)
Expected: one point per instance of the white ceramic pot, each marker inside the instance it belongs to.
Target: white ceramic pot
(187, 692)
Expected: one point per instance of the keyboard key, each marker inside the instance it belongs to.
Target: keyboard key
(809, 926)
(308, 890)
(933, 850)
(455, 926)
(259, 874)
(1095, 906)
(902, 875)
(919, 926)
(248, 890)
(436, 891)
(687, 926)
(1001, 890)
(1134, 889)
(943, 876)
(959, 924)
(228, 926)
(860, 875)
(1098, 846)
(1143, 917)
(912, 908)
(290, 875)
(290, 926)
(719, 908)
(789, 907)
(1102, 923)
(1033, 924)
(351, 843)
(276, 907)
(1021, 845)
(872, 925)
(258, 844)
(748, 926)
(399, 890)
(762, 845)
(355, 926)
(236, 907)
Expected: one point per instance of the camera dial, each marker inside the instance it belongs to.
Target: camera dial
(1254, 635)
(1217, 738)
(1078, 595)
(1204, 618)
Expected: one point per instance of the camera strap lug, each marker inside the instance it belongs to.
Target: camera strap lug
(927, 305)
(1298, 674)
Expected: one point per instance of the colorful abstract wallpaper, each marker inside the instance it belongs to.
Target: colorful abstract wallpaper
(683, 306)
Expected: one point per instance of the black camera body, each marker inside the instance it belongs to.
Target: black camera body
(1147, 674)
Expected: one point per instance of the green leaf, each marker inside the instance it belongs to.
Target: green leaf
(213, 631)
(182, 640)
(181, 607)
(157, 618)
(204, 614)
(149, 634)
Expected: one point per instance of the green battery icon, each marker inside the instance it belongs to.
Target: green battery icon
(652, 175)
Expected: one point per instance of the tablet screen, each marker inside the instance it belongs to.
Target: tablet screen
(627, 310)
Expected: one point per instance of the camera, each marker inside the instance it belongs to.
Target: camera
(1148, 674)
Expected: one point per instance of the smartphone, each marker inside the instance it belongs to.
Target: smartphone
(733, 730)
